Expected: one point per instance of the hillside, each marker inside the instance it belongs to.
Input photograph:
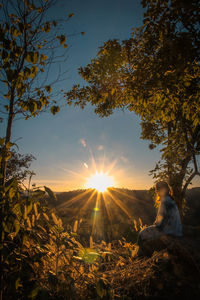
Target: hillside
(109, 265)
(117, 213)
(123, 275)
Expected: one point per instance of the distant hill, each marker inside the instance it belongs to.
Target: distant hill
(111, 215)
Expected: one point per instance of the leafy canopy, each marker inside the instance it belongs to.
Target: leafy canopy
(30, 43)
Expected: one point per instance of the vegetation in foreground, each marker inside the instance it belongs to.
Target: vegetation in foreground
(44, 259)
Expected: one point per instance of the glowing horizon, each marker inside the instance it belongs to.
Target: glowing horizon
(100, 181)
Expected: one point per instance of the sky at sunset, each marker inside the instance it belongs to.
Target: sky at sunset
(67, 146)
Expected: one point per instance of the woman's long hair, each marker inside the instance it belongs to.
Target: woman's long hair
(163, 184)
(158, 186)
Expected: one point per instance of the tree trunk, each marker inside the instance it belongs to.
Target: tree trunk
(176, 180)
(2, 183)
(178, 196)
(8, 137)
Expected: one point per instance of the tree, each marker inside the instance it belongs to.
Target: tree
(156, 74)
(30, 45)
(18, 166)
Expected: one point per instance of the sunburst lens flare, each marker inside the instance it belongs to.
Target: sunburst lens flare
(100, 181)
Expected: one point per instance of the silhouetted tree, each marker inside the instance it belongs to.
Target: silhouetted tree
(18, 166)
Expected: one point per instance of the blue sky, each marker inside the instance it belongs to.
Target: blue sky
(65, 144)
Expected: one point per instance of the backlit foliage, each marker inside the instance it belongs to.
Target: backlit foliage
(28, 42)
(40, 259)
(155, 74)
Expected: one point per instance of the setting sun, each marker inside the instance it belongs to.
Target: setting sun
(100, 181)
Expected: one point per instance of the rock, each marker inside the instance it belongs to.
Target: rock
(147, 247)
(192, 231)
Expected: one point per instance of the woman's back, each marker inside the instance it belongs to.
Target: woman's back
(168, 217)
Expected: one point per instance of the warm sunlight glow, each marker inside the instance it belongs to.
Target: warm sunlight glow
(100, 182)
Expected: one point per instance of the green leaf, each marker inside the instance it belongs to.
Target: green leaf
(47, 27)
(17, 226)
(50, 193)
(2, 141)
(29, 208)
(70, 15)
(29, 57)
(62, 39)
(35, 57)
(33, 293)
(11, 183)
(32, 57)
(11, 192)
(9, 145)
(100, 288)
(55, 109)
(8, 156)
(187, 83)
(17, 282)
(34, 71)
(43, 57)
(7, 226)
(48, 88)
(17, 210)
(32, 106)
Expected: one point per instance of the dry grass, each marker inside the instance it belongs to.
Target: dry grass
(170, 273)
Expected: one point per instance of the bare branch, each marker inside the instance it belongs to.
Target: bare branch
(192, 176)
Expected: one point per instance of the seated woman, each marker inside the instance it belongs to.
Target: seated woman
(167, 222)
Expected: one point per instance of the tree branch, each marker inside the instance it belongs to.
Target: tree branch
(191, 177)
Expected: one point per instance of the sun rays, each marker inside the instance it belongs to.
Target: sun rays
(99, 210)
(100, 181)
(99, 204)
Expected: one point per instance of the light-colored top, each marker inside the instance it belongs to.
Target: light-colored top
(168, 218)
